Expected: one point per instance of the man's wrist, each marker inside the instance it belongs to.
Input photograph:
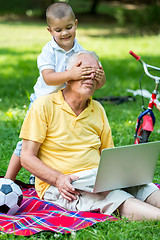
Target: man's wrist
(58, 175)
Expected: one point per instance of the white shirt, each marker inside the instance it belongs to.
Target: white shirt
(56, 58)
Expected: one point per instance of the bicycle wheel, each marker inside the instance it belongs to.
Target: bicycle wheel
(142, 136)
(145, 136)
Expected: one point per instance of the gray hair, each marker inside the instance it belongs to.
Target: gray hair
(73, 58)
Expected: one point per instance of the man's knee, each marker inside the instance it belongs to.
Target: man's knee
(125, 207)
(154, 199)
(134, 209)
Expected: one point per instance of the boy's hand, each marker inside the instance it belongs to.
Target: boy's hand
(79, 72)
(100, 77)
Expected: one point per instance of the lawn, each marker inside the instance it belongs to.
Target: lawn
(20, 44)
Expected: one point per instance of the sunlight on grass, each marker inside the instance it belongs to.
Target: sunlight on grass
(19, 34)
(13, 113)
(21, 43)
(118, 47)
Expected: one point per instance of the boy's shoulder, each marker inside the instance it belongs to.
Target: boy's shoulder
(77, 47)
(51, 45)
(48, 45)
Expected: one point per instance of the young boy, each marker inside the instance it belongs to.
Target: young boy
(52, 63)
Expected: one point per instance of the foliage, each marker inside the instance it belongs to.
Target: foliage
(143, 13)
(21, 43)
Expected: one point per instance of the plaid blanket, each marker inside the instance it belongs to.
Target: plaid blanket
(36, 215)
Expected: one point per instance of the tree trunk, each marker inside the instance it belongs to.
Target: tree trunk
(44, 5)
(94, 6)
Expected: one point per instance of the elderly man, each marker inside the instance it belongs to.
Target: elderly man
(63, 135)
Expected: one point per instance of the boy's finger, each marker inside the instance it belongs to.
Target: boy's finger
(79, 64)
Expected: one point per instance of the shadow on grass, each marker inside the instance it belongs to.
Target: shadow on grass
(122, 74)
(120, 23)
(12, 52)
(19, 74)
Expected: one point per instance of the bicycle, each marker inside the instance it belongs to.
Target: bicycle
(146, 120)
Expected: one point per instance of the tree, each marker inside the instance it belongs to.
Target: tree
(43, 6)
(94, 6)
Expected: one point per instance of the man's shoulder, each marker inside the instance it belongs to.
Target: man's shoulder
(98, 107)
(48, 99)
(43, 100)
(97, 104)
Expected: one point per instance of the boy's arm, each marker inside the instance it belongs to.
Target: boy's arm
(77, 72)
(13, 168)
(53, 78)
(100, 77)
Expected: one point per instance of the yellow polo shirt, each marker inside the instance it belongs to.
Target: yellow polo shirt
(70, 143)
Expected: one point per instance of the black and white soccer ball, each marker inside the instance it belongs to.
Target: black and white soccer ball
(10, 196)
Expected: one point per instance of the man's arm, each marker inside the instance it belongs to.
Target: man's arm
(33, 164)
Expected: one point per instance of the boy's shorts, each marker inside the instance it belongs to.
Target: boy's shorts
(18, 148)
(105, 202)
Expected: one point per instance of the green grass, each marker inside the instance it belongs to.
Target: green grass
(20, 44)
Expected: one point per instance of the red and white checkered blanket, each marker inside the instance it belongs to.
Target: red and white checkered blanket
(36, 215)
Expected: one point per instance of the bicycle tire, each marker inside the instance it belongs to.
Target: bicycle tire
(143, 137)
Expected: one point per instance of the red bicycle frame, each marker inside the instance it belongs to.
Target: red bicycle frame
(146, 120)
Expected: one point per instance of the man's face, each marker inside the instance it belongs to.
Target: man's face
(88, 86)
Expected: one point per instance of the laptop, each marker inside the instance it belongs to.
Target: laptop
(121, 167)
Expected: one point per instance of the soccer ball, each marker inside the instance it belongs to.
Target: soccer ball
(10, 196)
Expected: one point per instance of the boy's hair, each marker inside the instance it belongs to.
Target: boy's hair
(73, 58)
(58, 10)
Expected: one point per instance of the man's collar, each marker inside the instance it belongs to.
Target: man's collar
(59, 100)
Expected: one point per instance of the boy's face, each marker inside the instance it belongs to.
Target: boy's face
(63, 30)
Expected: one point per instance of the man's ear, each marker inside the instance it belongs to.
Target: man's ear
(68, 84)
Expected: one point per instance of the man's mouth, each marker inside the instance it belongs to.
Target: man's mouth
(88, 83)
